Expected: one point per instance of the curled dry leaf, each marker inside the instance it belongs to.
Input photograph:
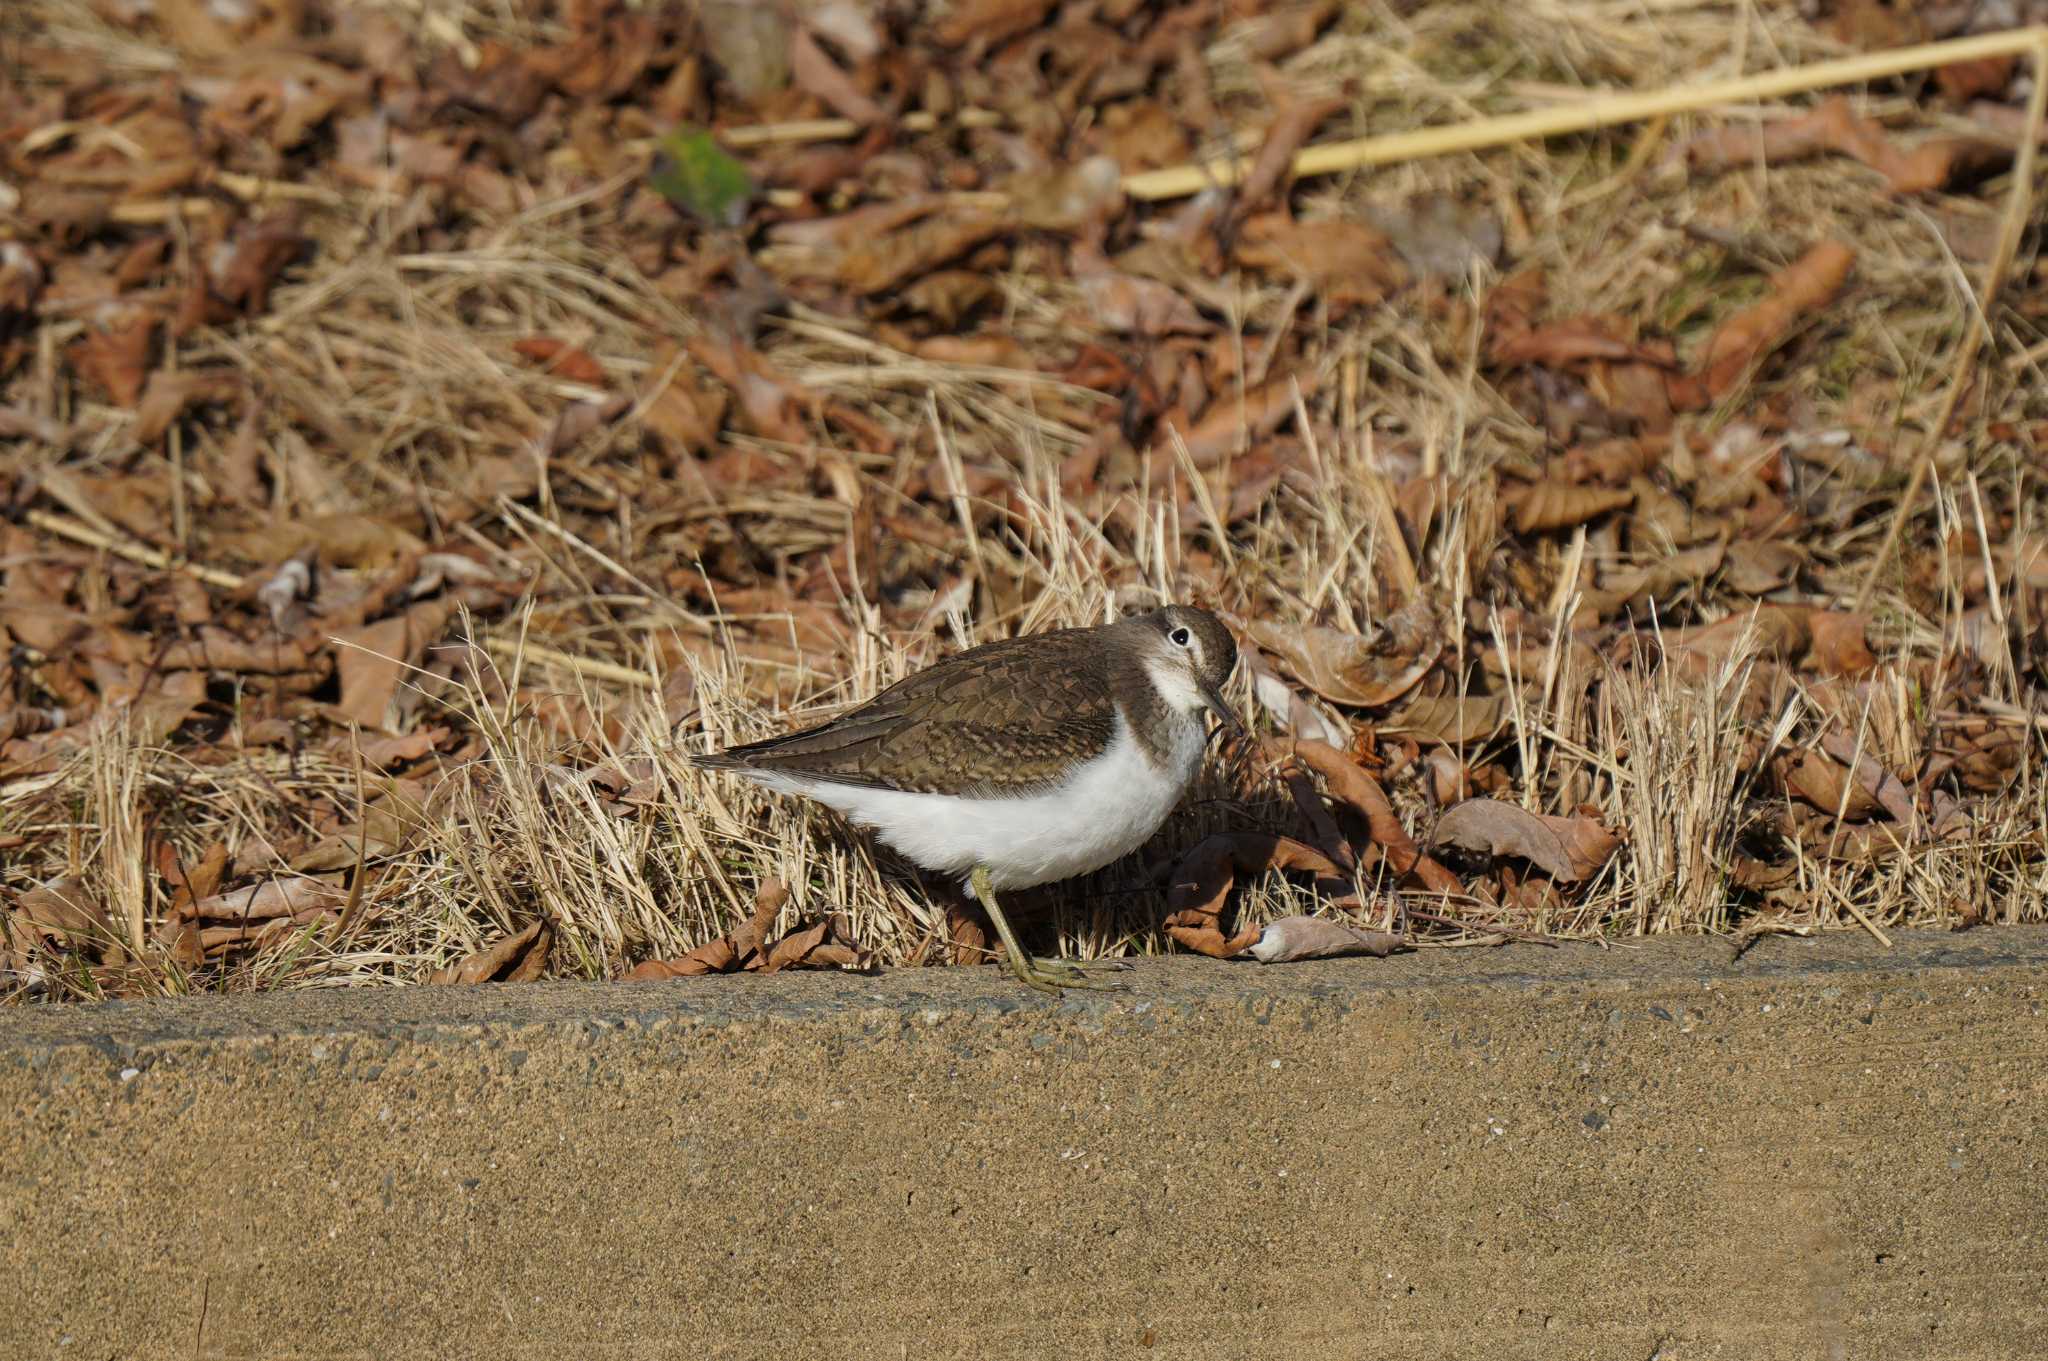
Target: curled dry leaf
(1568, 849)
(1815, 779)
(1807, 284)
(520, 958)
(1203, 880)
(1452, 719)
(1293, 713)
(880, 264)
(1284, 136)
(1544, 506)
(273, 897)
(1236, 418)
(1835, 127)
(1350, 785)
(561, 359)
(1343, 667)
(726, 953)
(1294, 938)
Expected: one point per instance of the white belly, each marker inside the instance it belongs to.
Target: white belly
(1108, 808)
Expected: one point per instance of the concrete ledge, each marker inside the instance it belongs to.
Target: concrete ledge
(1822, 1150)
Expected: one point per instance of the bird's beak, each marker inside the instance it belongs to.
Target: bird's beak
(1223, 711)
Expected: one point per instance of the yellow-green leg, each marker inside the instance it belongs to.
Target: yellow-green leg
(1046, 975)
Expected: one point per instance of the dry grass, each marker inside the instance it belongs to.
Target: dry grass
(391, 354)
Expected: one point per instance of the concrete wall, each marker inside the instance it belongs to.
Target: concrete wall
(1822, 1150)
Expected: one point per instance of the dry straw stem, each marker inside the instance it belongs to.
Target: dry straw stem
(134, 552)
(1979, 325)
(1599, 112)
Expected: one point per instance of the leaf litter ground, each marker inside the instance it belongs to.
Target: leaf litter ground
(426, 425)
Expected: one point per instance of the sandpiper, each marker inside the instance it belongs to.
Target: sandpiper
(1020, 762)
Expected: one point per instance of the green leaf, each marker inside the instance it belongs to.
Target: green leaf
(697, 175)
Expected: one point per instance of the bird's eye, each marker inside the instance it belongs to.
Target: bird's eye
(1181, 637)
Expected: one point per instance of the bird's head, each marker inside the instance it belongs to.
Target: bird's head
(1189, 655)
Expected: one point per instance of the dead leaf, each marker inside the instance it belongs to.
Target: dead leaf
(1568, 849)
(888, 262)
(1835, 127)
(1823, 783)
(117, 350)
(1347, 263)
(1294, 938)
(727, 952)
(1806, 285)
(1340, 666)
(1351, 785)
(274, 897)
(373, 660)
(1233, 421)
(562, 359)
(519, 958)
(1203, 879)
(1541, 507)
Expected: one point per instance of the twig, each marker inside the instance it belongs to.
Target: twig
(133, 552)
(583, 666)
(1598, 111)
(833, 129)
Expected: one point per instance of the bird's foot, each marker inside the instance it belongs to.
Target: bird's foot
(1050, 975)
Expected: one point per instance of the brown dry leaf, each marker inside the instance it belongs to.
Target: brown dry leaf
(1340, 666)
(1541, 507)
(562, 359)
(1233, 420)
(1284, 136)
(1770, 630)
(273, 897)
(1135, 306)
(374, 659)
(1451, 719)
(726, 953)
(1826, 785)
(170, 394)
(687, 414)
(1348, 263)
(520, 958)
(1760, 566)
(62, 910)
(1839, 644)
(1076, 198)
(236, 281)
(1806, 285)
(116, 350)
(1203, 879)
(191, 882)
(988, 22)
(1293, 938)
(1573, 340)
(1963, 81)
(1350, 785)
(1567, 848)
(880, 264)
(1835, 127)
(817, 74)
(1880, 784)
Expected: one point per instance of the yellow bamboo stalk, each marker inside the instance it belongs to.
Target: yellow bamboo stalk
(1597, 111)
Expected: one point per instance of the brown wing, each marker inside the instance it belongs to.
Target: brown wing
(1004, 719)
